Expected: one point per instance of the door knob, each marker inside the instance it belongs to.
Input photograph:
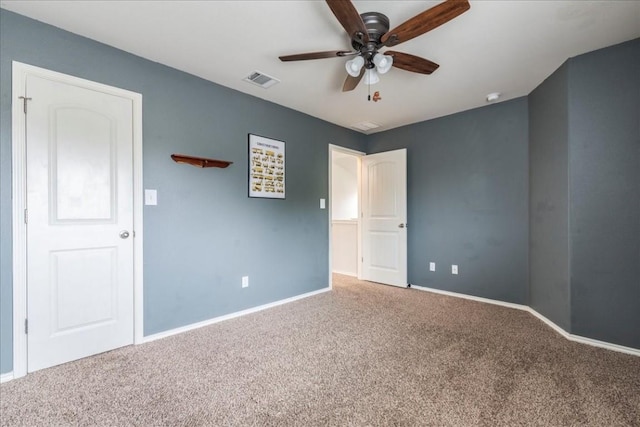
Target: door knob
(402, 225)
(124, 234)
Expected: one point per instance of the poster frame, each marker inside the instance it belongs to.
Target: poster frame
(266, 167)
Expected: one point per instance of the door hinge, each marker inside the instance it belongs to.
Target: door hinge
(26, 326)
(26, 216)
(24, 103)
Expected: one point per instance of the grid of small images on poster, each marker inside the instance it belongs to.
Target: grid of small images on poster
(266, 167)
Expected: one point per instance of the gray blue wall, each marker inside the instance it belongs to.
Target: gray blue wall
(549, 194)
(205, 232)
(585, 195)
(468, 199)
(604, 168)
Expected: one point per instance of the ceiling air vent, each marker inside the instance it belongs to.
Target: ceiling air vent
(365, 126)
(261, 79)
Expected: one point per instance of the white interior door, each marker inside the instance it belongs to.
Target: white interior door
(384, 217)
(80, 291)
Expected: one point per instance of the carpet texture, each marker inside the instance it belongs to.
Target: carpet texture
(362, 355)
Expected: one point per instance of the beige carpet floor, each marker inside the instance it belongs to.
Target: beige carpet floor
(361, 355)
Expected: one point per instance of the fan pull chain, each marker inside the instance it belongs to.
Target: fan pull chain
(369, 91)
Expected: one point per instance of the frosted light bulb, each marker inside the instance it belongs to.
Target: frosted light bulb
(354, 66)
(382, 62)
(371, 77)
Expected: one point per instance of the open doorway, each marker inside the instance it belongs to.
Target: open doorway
(378, 253)
(344, 208)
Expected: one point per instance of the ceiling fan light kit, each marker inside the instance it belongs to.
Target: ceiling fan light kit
(369, 33)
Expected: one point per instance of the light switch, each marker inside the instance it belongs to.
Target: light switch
(150, 197)
(432, 266)
(454, 269)
(322, 204)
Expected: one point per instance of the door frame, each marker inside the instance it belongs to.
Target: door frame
(358, 155)
(20, 71)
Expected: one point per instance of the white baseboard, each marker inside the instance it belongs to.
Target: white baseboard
(6, 377)
(603, 344)
(549, 323)
(473, 298)
(208, 322)
(558, 329)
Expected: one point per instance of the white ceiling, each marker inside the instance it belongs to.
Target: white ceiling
(496, 46)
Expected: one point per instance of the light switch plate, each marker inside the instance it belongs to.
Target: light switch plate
(150, 197)
(432, 266)
(454, 269)
(322, 204)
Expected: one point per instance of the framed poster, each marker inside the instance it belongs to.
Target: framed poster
(266, 167)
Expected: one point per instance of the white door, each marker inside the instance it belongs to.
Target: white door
(384, 217)
(80, 222)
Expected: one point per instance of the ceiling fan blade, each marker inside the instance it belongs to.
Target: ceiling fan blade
(315, 55)
(425, 21)
(350, 19)
(412, 63)
(351, 82)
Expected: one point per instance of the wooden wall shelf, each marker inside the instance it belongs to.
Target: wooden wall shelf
(200, 162)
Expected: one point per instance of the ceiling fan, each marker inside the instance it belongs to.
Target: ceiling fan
(369, 32)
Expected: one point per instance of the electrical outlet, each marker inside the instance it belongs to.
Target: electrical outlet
(245, 281)
(432, 266)
(454, 269)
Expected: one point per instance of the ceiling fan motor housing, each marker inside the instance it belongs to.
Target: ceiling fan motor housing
(377, 25)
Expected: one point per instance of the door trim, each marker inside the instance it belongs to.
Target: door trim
(20, 71)
(358, 155)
